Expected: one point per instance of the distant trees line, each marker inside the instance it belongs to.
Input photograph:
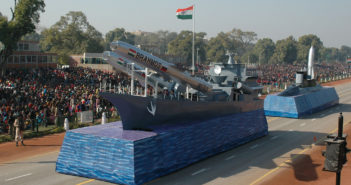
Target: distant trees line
(73, 34)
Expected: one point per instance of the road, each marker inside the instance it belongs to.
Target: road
(248, 164)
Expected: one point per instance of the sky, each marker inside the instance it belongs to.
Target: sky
(275, 19)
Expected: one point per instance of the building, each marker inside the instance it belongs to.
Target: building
(28, 55)
(91, 60)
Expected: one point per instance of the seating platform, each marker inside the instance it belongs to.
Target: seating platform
(109, 153)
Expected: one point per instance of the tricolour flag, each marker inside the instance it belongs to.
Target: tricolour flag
(120, 61)
(186, 13)
(132, 52)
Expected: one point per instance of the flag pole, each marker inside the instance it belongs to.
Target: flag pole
(193, 53)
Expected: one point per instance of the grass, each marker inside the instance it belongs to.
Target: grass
(52, 129)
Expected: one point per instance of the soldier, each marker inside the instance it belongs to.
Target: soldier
(19, 129)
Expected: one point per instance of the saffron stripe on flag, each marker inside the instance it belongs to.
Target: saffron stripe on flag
(184, 9)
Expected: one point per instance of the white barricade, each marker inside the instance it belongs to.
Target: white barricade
(85, 116)
(66, 124)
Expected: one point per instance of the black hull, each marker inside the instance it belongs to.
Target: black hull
(136, 112)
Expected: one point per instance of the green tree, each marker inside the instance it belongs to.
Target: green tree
(157, 41)
(218, 46)
(242, 40)
(330, 54)
(285, 51)
(182, 46)
(264, 50)
(345, 52)
(304, 44)
(118, 34)
(25, 15)
(72, 34)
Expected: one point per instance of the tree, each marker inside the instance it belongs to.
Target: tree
(157, 40)
(264, 49)
(304, 44)
(285, 51)
(25, 16)
(218, 46)
(242, 40)
(345, 52)
(182, 46)
(118, 34)
(72, 34)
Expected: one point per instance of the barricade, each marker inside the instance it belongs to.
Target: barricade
(85, 116)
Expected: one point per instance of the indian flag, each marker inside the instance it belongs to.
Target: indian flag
(132, 52)
(120, 61)
(186, 13)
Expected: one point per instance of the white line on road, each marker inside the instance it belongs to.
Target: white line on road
(13, 178)
(313, 119)
(230, 157)
(274, 137)
(290, 130)
(198, 172)
(254, 146)
(302, 124)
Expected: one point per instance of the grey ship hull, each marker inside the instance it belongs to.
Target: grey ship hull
(146, 112)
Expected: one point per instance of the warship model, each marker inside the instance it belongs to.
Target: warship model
(226, 91)
(162, 133)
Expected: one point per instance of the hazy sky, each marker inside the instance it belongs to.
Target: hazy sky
(276, 19)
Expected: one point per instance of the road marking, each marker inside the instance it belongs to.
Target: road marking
(85, 182)
(274, 137)
(290, 130)
(18, 177)
(254, 146)
(198, 172)
(302, 124)
(313, 119)
(230, 157)
(287, 161)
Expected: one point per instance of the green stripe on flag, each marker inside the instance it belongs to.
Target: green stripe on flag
(184, 16)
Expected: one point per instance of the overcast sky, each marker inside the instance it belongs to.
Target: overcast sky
(276, 19)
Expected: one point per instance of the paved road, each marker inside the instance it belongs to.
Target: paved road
(247, 164)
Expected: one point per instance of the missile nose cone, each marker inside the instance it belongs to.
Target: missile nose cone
(312, 48)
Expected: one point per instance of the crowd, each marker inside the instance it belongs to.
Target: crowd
(276, 74)
(42, 96)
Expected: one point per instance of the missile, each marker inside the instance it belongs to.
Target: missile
(160, 66)
(310, 63)
(120, 63)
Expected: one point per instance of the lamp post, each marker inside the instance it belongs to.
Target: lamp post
(197, 56)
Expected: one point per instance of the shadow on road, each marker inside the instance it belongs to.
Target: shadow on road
(40, 162)
(342, 107)
(304, 169)
(256, 154)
